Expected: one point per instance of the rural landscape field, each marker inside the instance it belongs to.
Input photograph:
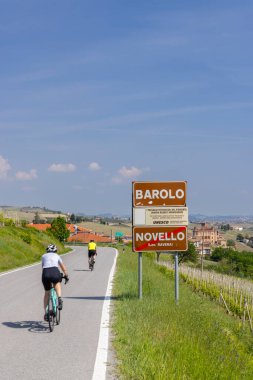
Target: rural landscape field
(209, 331)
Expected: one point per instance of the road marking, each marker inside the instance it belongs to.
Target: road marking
(100, 367)
(29, 266)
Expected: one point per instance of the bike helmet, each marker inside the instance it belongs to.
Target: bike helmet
(52, 248)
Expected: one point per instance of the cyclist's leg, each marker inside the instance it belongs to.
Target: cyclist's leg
(57, 287)
(46, 297)
(47, 286)
(89, 257)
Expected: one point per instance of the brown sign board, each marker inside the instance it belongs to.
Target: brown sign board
(160, 238)
(158, 194)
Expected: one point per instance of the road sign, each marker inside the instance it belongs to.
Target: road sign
(119, 234)
(160, 238)
(160, 216)
(157, 194)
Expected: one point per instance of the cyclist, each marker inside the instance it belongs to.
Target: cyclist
(92, 250)
(51, 274)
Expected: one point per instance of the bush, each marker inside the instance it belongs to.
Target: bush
(26, 238)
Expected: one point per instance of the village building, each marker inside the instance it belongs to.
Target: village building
(206, 238)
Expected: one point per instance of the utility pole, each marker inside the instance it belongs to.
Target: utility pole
(202, 252)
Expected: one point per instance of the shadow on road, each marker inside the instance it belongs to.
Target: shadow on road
(31, 326)
(81, 270)
(106, 298)
(95, 298)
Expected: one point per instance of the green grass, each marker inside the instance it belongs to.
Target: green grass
(155, 339)
(23, 246)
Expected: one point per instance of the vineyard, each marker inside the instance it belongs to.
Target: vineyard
(235, 294)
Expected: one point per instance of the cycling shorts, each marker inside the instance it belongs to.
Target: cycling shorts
(49, 276)
(92, 252)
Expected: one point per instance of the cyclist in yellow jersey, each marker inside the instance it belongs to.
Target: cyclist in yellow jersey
(92, 250)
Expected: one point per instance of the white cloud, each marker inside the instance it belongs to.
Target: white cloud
(63, 168)
(26, 176)
(127, 173)
(94, 166)
(130, 173)
(4, 167)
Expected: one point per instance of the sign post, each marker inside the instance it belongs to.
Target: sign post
(160, 219)
(176, 279)
(140, 275)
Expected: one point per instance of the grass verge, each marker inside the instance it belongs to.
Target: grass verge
(155, 339)
(23, 246)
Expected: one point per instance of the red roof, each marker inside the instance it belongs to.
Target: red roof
(40, 227)
(71, 228)
(86, 237)
(83, 235)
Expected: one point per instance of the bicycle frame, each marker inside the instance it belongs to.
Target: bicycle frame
(53, 296)
(52, 309)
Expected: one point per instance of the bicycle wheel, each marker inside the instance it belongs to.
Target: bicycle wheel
(51, 314)
(91, 264)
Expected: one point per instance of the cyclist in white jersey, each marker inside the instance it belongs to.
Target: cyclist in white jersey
(51, 262)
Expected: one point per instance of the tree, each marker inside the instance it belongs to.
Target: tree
(72, 218)
(231, 243)
(239, 237)
(36, 219)
(189, 255)
(225, 227)
(59, 229)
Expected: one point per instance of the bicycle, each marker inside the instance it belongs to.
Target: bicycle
(91, 263)
(52, 311)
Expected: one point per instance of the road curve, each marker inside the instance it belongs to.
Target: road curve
(27, 349)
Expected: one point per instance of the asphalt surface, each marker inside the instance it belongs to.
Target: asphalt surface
(27, 349)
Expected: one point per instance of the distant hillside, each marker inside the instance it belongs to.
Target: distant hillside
(28, 213)
(197, 218)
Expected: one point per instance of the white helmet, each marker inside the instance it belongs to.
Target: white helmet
(52, 248)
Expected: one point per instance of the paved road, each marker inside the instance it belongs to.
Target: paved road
(27, 349)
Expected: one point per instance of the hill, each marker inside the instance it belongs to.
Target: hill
(23, 246)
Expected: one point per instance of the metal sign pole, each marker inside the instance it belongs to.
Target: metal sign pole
(176, 279)
(140, 274)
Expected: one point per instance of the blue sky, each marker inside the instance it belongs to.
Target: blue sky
(96, 94)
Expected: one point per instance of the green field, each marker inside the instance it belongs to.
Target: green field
(107, 229)
(232, 234)
(155, 339)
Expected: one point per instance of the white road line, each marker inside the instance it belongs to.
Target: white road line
(18, 269)
(100, 367)
(28, 266)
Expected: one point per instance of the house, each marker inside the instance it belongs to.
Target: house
(206, 237)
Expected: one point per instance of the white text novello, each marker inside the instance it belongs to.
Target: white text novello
(159, 194)
(160, 236)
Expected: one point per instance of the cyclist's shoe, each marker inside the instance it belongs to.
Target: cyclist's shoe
(60, 303)
(46, 319)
